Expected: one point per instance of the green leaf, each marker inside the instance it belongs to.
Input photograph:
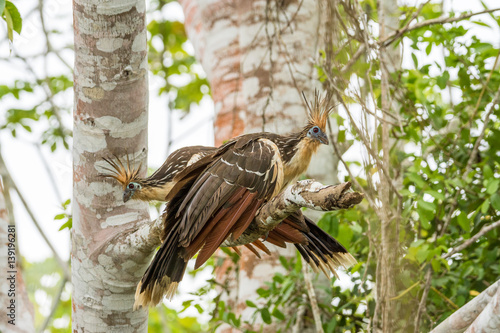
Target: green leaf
(492, 186)
(250, 304)
(2, 7)
(422, 253)
(266, 316)
(415, 61)
(443, 80)
(430, 206)
(68, 225)
(341, 136)
(487, 172)
(278, 314)
(464, 222)
(416, 178)
(345, 235)
(199, 308)
(481, 23)
(59, 216)
(436, 264)
(485, 206)
(435, 194)
(10, 25)
(13, 19)
(495, 201)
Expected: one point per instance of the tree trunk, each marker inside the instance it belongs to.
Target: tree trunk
(16, 311)
(110, 118)
(259, 57)
(390, 59)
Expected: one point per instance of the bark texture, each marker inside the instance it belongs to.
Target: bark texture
(470, 316)
(303, 194)
(110, 118)
(23, 319)
(386, 266)
(259, 57)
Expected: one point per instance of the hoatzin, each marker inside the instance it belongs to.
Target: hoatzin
(215, 193)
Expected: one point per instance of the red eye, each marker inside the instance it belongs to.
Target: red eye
(315, 129)
(131, 186)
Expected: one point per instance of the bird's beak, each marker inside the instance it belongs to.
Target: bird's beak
(323, 138)
(127, 194)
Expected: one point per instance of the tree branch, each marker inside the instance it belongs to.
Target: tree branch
(423, 300)
(305, 193)
(472, 240)
(4, 172)
(440, 20)
(461, 319)
(312, 299)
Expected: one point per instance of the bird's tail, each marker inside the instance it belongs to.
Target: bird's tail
(163, 274)
(318, 248)
(323, 251)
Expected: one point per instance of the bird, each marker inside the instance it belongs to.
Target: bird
(158, 185)
(215, 196)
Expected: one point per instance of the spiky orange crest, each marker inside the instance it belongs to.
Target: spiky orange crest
(319, 111)
(123, 174)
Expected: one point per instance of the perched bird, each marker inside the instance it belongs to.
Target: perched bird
(158, 185)
(218, 196)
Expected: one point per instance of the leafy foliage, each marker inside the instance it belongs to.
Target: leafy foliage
(11, 16)
(171, 60)
(444, 155)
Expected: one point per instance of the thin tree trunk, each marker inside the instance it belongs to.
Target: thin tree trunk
(259, 57)
(16, 311)
(389, 63)
(110, 118)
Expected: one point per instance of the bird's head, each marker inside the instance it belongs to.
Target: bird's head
(128, 177)
(319, 111)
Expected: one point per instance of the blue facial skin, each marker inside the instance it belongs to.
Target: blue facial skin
(130, 190)
(316, 133)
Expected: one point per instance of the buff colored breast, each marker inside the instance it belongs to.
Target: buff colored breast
(300, 161)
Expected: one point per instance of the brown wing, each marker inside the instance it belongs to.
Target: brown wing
(225, 196)
(178, 160)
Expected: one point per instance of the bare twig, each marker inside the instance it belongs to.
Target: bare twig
(297, 327)
(423, 300)
(485, 85)
(475, 150)
(472, 240)
(55, 303)
(440, 20)
(5, 173)
(312, 299)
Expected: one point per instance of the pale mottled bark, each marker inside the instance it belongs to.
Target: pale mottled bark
(489, 319)
(21, 314)
(259, 57)
(110, 117)
(469, 314)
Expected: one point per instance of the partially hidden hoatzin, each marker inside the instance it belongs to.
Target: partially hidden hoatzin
(215, 193)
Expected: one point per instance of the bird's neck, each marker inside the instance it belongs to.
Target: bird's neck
(296, 152)
(153, 191)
